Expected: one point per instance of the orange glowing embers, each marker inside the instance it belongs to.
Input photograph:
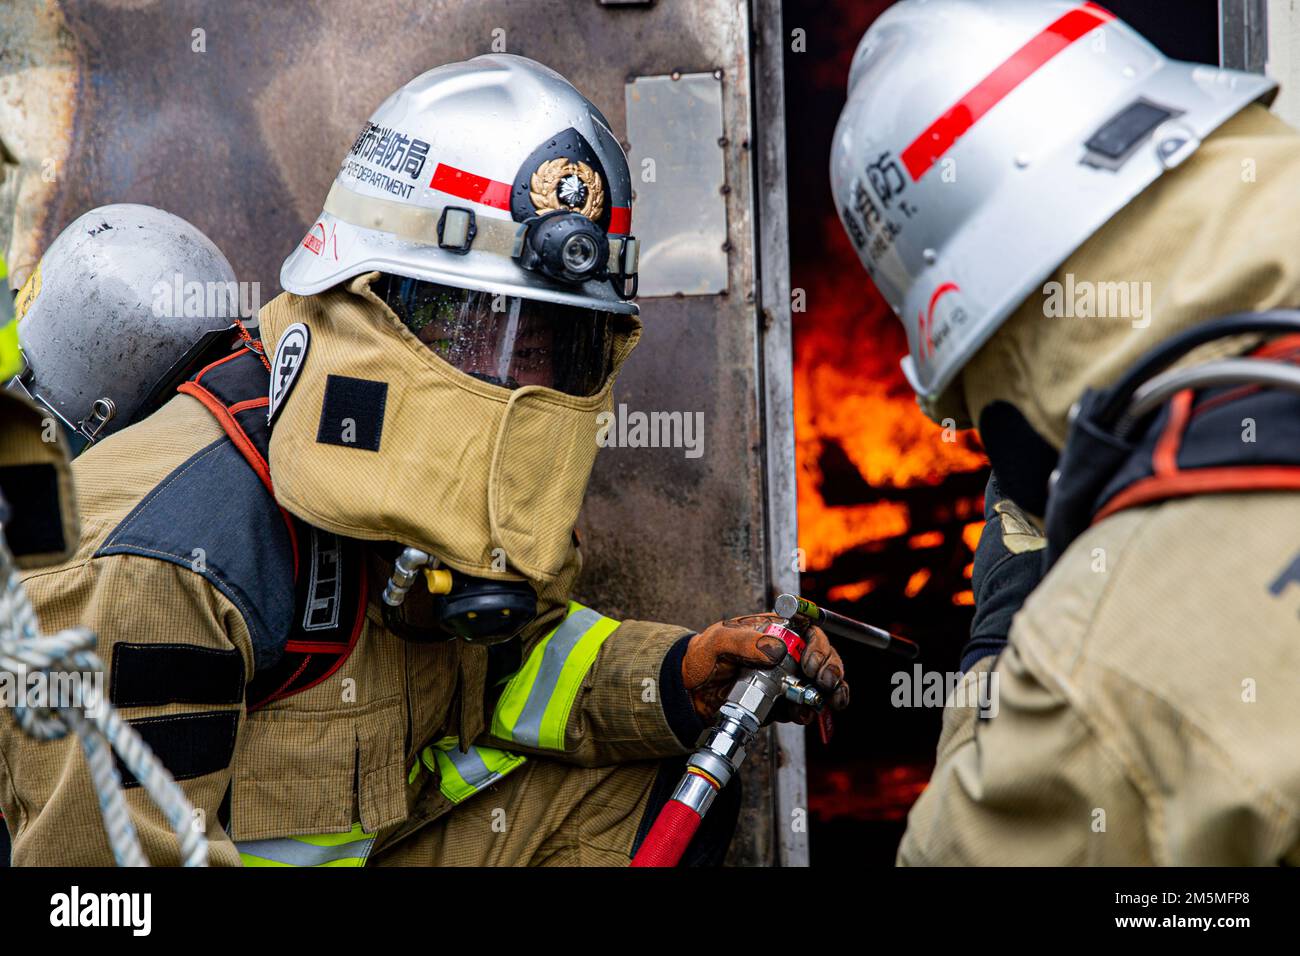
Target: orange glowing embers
(865, 791)
(927, 539)
(916, 582)
(851, 592)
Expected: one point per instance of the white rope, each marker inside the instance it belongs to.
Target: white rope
(101, 730)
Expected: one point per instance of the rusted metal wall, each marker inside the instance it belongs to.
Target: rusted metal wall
(39, 73)
(235, 115)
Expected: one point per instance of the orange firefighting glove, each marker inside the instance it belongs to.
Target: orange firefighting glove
(715, 657)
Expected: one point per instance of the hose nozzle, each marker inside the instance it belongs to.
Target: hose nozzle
(793, 608)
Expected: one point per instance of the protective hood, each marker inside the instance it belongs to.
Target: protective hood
(376, 437)
(1217, 235)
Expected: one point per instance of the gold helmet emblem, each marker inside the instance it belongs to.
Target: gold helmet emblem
(569, 185)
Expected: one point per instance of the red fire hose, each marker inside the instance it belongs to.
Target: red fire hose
(720, 752)
(669, 837)
(747, 708)
(675, 826)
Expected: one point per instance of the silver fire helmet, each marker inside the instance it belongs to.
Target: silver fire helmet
(118, 301)
(984, 141)
(492, 175)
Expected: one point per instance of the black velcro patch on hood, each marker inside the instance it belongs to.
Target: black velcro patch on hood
(34, 521)
(353, 412)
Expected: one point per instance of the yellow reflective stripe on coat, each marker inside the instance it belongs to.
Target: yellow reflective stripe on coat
(11, 361)
(461, 775)
(534, 708)
(325, 849)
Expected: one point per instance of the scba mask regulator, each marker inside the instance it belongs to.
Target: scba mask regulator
(482, 611)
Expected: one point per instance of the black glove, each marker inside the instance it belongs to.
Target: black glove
(1008, 566)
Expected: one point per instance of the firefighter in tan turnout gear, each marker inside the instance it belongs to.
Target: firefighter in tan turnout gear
(1065, 220)
(332, 578)
(38, 521)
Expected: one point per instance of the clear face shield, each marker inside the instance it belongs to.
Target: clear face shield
(506, 340)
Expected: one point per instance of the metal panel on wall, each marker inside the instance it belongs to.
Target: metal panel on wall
(236, 114)
(1243, 34)
(676, 142)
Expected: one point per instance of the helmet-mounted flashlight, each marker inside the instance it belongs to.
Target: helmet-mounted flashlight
(566, 246)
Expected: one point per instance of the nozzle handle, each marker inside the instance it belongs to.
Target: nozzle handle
(791, 606)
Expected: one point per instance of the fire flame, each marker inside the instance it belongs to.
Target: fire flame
(875, 477)
(850, 391)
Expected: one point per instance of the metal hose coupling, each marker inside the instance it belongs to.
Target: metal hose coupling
(406, 569)
(722, 747)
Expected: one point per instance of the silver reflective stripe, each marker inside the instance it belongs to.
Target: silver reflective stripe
(296, 853)
(501, 237)
(417, 223)
(471, 768)
(528, 727)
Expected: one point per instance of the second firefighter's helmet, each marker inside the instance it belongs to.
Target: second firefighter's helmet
(114, 310)
(984, 141)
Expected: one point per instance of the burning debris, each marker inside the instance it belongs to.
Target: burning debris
(890, 505)
(875, 476)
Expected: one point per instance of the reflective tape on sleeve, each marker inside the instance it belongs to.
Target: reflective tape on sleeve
(326, 849)
(11, 359)
(461, 775)
(11, 362)
(535, 706)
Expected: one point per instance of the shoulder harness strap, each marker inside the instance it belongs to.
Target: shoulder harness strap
(1195, 445)
(329, 572)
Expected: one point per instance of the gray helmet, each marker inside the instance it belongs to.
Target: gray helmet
(984, 142)
(493, 175)
(118, 301)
